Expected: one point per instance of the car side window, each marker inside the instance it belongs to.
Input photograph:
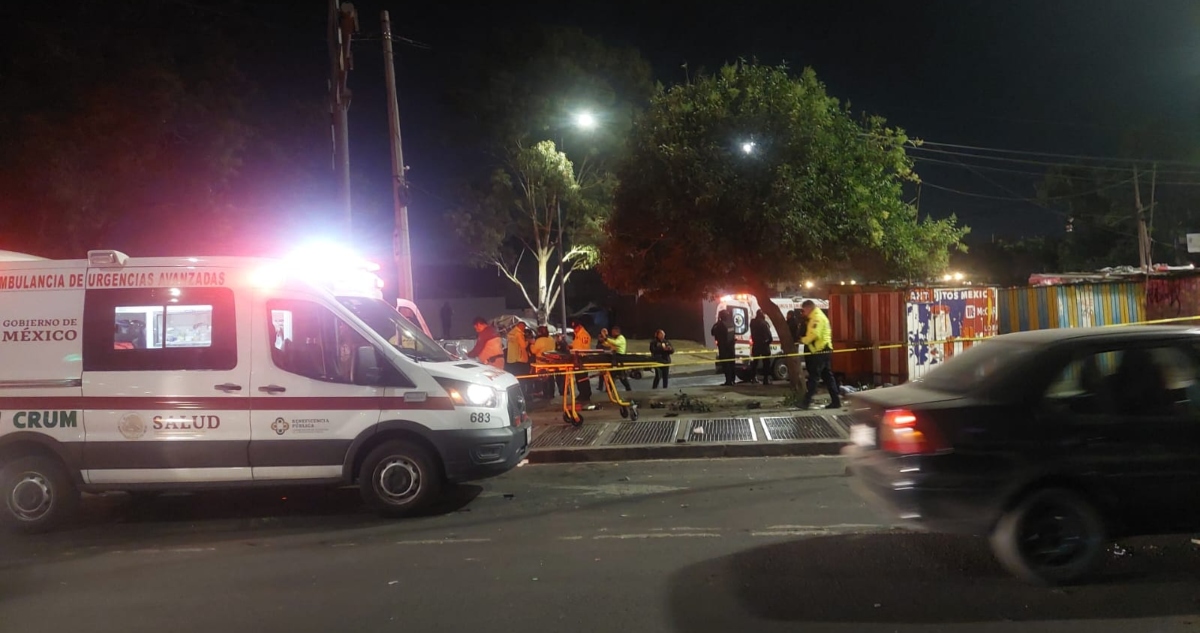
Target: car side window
(164, 329)
(1135, 381)
(307, 339)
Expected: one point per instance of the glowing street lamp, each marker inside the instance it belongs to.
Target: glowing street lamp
(585, 120)
(748, 147)
(808, 284)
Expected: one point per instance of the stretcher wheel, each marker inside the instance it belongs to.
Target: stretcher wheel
(633, 413)
(573, 421)
(624, 412)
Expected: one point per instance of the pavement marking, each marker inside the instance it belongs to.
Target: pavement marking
(656, 535)
(620, 490)
(445, 541)
(832, 526)
(570, 538)
(177, 550)
(815, 530)
(686, 529)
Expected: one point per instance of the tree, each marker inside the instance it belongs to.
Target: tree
(516, 217)
(743, 178)
(524, 93)
(1096, 198)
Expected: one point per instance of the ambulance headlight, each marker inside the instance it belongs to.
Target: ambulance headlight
(481, 396)
(469, 394)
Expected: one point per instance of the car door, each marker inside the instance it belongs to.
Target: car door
(306, 410)
(1125, 429)
(165, 380)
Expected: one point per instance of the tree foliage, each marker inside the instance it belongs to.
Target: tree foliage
(527, 90)
(744, 178)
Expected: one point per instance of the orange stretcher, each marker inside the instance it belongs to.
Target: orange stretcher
(587, 362)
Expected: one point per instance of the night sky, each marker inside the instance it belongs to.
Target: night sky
(1062, 76)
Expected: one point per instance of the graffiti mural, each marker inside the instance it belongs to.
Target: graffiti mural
(945, 321)
(1172, 298)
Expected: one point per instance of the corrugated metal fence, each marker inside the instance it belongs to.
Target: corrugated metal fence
(1078, 305)
(864, 319)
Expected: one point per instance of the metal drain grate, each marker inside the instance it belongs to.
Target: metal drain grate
(809, 427)
(647, 432)
(568, 436)
(845, 421)
(722, 430)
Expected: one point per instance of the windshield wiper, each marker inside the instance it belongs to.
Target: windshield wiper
(418, 356)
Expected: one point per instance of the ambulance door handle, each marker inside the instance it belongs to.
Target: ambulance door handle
(272, 389)
(227, 387)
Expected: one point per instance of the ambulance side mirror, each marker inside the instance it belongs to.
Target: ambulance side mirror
(367, 371)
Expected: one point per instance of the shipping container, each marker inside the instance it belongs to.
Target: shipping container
(900, 334)
(1074, 305)
(1173, 298)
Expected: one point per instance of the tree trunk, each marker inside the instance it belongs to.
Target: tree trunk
(786, 343)
(543, 295)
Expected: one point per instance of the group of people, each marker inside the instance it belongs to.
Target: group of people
(522, 350)
(810, 328)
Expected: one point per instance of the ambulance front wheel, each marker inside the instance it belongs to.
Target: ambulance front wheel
(38, 495)
(399, 478)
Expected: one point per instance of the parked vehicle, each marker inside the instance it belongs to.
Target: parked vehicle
(138, 374)
(1049, 442)
(743, 307)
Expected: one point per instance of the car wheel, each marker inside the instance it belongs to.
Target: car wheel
(1052, 536)
(38, 493)
(780, 370)
(399, 478)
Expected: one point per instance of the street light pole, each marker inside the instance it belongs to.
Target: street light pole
(562, 264)
(586, 121)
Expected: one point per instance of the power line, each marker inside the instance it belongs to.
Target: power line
(1023, 152)
(1036, 174)
(973, 153)
(1043, 163)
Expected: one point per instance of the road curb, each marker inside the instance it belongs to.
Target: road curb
(684, 451)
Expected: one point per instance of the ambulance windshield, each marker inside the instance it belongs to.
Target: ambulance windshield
(400, 332)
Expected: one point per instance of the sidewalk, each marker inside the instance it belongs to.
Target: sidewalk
(743, 421)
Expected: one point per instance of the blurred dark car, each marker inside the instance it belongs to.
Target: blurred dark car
(1050, 443)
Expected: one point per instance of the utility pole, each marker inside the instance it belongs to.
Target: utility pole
(1150, 222)
(1143, 235)
(400, 248)
(343, 24)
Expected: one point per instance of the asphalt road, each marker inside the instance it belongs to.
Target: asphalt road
(734, 545)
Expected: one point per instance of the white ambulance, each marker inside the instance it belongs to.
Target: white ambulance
(121, 373)
(742, 308)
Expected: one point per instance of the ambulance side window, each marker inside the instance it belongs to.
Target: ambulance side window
(148, 329)
(309, 340)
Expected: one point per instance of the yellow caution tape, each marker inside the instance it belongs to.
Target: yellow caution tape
(599, 367)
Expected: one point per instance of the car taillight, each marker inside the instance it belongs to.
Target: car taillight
(901, 431)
